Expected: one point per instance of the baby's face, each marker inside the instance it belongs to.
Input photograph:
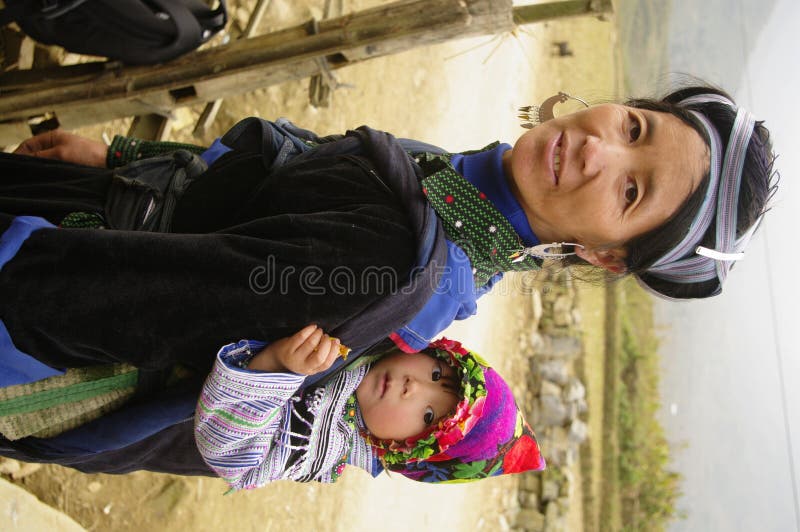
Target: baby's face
(403, 394)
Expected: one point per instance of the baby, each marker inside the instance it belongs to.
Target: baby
(435, 416)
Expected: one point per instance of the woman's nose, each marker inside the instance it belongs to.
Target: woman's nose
(594, 154)
(598, 155)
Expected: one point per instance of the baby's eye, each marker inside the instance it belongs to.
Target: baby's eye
(631, 192)
(437, 373)
(635, 129)
(429, 416)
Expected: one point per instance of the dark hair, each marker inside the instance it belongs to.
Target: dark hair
(756, 188)
(451, 383)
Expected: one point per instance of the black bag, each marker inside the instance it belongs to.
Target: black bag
(143, 194)
(137, 32)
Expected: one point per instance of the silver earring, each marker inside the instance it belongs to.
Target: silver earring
(533, 115)
(542, 251)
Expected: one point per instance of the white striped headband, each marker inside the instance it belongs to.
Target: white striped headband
(688, 262)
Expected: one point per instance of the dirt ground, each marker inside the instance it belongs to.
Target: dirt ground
(461, 95)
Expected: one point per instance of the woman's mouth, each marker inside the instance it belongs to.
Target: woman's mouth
(557, 160)
(554, 150)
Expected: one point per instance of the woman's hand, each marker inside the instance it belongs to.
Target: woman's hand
(306, 352)
(58, 144)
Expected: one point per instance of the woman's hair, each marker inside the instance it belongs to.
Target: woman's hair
(756, 188)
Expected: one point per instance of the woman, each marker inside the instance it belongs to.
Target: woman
(669, 190)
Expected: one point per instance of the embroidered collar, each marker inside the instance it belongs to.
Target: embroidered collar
(471, 220)
(352, 418)
(485, 170)
(332, 433)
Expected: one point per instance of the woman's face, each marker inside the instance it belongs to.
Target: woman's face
(604, 175)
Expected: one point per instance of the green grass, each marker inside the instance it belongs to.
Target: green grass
(648, 490)
(639, 492)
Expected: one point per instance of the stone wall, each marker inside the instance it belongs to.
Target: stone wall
(555, 402)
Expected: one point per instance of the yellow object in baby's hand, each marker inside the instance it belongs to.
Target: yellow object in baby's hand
(344, 351)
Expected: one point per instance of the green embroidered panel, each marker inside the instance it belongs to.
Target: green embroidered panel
(472, 221)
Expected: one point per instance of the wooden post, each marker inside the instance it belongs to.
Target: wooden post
(248, 64)
(211, 109)
(150, 126)
(104, 91)
(554, 10)
(321, 85)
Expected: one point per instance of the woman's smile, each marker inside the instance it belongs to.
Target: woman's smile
(553, 157)
(603, 176)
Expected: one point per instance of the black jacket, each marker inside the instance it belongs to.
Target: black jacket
(340, 235)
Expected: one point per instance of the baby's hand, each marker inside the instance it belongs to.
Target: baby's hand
(306, 352)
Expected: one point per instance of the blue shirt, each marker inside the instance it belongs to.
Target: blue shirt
(456, 296)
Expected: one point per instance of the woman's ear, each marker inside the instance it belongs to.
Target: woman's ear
(612, 260)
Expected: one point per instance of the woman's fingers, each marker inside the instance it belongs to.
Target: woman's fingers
(36, 144)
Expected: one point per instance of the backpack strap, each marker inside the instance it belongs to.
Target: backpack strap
(46, 9)
(188, 30)
(194, 25)
(213, 20)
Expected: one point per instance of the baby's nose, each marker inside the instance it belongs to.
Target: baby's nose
(410, 385)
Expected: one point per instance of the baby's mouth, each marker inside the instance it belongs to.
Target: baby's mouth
(384, 385)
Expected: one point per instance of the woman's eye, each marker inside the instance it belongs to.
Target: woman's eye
(437, 373)
(635, 130)
(428, 417)
(631, 192)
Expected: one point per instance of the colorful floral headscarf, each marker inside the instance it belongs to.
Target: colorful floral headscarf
(487, 436)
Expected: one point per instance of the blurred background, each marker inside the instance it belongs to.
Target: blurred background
(652, 415)
(731, 369)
